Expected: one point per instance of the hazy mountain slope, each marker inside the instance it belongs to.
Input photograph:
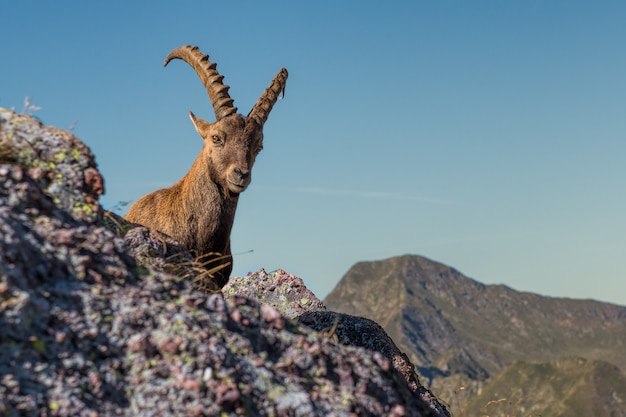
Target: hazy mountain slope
(568, 387)
(448, 323)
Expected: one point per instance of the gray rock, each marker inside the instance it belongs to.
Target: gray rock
(86, 329)
(60, 163)
(283, 291)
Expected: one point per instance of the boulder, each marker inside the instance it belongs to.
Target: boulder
(96, 320)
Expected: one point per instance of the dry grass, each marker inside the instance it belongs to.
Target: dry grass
(502, 407)
(202, 271)
(115, 223)
(6, 153)
(29, 108)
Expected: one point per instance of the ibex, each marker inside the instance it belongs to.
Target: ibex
(199, 210)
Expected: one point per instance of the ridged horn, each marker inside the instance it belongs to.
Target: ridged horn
(211, 79)
(264, 104)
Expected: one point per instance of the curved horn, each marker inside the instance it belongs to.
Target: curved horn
(264, 104)
(211, 79)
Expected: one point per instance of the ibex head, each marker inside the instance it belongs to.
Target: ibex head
(232, 143)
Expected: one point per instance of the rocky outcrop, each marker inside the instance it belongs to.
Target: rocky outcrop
(283, 291)
(96, 318)
(61, 165)
(292, 299)
(359, 331)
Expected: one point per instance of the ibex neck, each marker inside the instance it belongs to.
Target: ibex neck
(209, 210)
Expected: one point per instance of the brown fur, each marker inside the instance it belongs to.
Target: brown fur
(199, 210)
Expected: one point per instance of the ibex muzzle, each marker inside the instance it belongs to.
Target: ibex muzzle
(199, 209)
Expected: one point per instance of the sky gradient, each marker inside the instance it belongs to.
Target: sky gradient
(490, 136)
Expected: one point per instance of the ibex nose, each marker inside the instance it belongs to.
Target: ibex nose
(243, 174)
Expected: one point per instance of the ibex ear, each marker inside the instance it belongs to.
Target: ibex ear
(200, 125)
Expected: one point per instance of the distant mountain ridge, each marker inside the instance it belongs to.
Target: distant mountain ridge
(460, 331)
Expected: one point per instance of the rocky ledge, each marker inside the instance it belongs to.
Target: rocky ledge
(102, 318)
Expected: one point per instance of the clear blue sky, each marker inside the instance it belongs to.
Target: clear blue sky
(487, 135)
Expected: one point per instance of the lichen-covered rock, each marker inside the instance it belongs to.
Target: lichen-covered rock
(288, 295)
(57, 278)
(62, 165)
(282, 290)
(85, 330)
(362, 332)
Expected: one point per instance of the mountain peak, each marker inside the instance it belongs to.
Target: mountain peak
(431, 309)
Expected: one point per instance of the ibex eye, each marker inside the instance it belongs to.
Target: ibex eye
(216, 139)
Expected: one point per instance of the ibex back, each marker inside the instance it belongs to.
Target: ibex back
(199, 210)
